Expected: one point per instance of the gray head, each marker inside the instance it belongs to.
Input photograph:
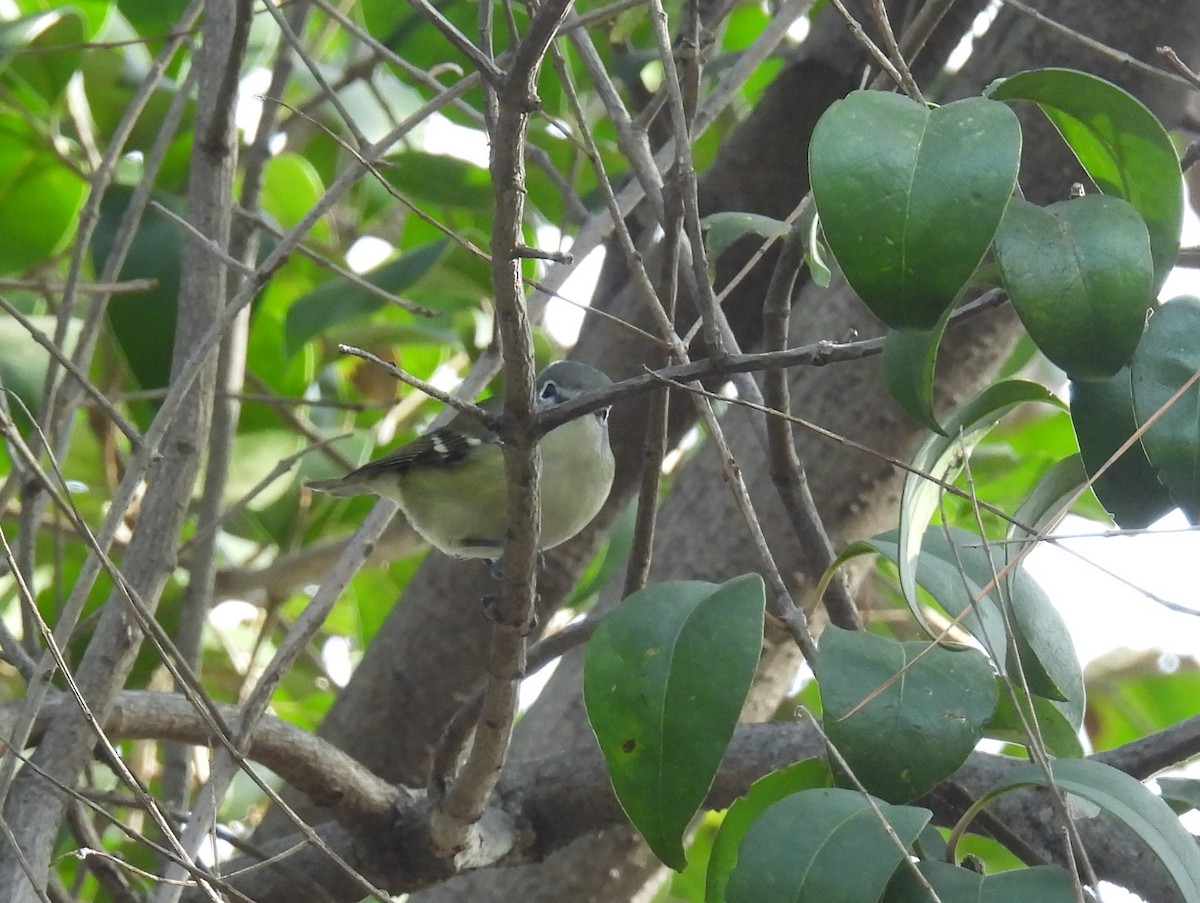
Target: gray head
(563, 381)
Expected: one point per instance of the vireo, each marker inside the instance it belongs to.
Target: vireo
(451, 483)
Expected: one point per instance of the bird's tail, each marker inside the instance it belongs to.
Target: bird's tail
(338, 488)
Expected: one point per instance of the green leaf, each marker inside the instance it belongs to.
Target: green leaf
(1168, 358)
(815, 251)
(440, 180)
(942, 457)
(722, 229)
(665, 678)
(292, 187)
(41, 51)
(1120, 143)
(1181, 794)
(819, 846)
(1129, 802)
(1080, 275)
(340, 300)
(909, 358)
(954, 567)
(954, 575)
(953, 884)
(929, 701)
(806, 775)
(1057, 722)
(1050, 499)
(23, 362)
(143, 322)
(40, 197)
(1102, 414)
(910, 198)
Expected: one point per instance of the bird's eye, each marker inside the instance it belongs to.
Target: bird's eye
(549, 391)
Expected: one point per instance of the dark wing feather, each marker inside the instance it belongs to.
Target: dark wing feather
(440, 448)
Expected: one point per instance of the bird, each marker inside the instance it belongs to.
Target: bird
(450, 483)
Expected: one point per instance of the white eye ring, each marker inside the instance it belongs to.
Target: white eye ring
(549, 391)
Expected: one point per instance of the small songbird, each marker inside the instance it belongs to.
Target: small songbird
(451, 485)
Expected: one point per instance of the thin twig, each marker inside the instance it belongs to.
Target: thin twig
(787, 470)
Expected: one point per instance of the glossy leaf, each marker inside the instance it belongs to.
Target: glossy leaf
(806, 775)
(665, 678)
(1129, 802)
(40, 196)
(910, 198)
(1102, 414)
(930, 702)
(340, 300)
(1080, 275)
(909, 358)
(1120, 143)
(40, 52)
(1167, 359)
(817, 846)
(954, 567)
(953, 884)
(440, 180)
(942, 458)
(144, 322)
(722, 229)
(1057, 722)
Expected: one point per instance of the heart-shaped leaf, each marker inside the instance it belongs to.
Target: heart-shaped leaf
(931, 702)
(1120, 143)
(910, 198)
(1080, 276)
